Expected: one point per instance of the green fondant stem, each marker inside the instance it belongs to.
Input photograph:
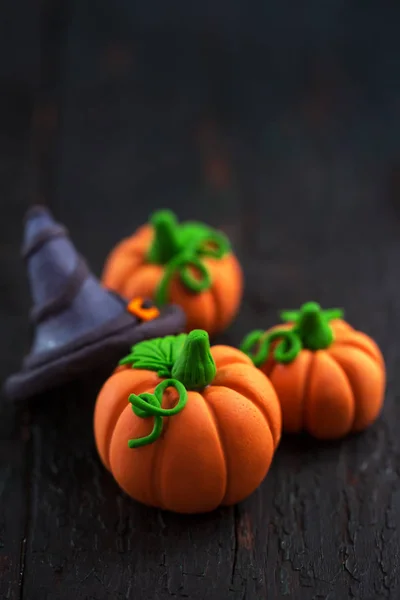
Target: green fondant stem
(195, 366)
(313, 327)
(311, 331)
(165, 243)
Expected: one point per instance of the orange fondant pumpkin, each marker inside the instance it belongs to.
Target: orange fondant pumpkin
(188, 264)
(187, 428)
(330, 378)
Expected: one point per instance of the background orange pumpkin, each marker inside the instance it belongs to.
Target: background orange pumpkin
(331, 381)
(214, 451)
(165, 260)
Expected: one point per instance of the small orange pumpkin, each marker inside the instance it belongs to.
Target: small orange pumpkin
(330, 378)
(188, 264)
(185, 427)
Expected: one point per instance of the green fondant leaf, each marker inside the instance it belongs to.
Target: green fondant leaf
(159, 354)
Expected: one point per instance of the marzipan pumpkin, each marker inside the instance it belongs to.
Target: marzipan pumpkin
(330, 378)
(185, 427)
(188, 264)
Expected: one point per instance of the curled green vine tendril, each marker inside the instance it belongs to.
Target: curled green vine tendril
(286, 351)
(150, 405)
(311, 330)
(215, 246)
(181, 248)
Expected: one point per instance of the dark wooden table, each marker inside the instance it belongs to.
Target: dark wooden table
(280, 123)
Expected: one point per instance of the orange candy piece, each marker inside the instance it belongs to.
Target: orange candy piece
(135, 307)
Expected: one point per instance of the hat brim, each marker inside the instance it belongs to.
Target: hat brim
(101, 351)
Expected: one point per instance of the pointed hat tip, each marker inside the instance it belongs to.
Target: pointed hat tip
(37, 210)
(39, 223)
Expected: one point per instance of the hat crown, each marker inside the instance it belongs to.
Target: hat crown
(51, 261)
(69, 311)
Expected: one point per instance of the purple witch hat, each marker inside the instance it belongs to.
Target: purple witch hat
(78, 325)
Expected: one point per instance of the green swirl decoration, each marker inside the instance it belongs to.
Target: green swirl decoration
(311, 330)
(150, 405)
(187, 363)
(181, 248)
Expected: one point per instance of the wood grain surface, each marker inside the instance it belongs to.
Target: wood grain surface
(279, 123)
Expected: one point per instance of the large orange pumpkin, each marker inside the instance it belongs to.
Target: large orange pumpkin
(330, 378)
(188, 264)
(185, 427)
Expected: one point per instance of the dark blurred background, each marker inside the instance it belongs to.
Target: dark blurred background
(256, 114)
